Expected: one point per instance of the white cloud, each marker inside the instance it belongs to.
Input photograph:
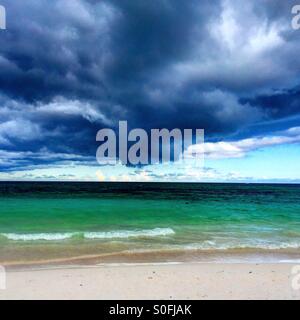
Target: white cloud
(19, 129)
(240, 148)
(72, 107)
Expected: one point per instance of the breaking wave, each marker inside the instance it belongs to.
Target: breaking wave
(157, 232)
(212, 245)
(122, 234)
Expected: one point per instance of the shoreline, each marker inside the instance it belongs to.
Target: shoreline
(186, 280)
(236, 256)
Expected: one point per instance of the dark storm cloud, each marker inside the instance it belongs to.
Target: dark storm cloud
(279, 105)
(69, 68)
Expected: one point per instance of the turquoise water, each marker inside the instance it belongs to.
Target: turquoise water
(137, 216)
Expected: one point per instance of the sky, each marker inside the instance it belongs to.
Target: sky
(69, 68)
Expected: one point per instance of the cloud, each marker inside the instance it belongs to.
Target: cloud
(61, 106)
(240, 148)
(21, 161)
(100, 176)
(19, 129)
(70, 68)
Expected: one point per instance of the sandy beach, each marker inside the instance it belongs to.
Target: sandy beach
(153, 281)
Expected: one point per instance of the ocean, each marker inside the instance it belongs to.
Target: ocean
(56, 220)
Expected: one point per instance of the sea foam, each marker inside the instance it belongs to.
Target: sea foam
(129, 234)
(121, 234)
(37, 236)
(212, 245)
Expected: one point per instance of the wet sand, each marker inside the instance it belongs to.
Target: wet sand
(44, 257)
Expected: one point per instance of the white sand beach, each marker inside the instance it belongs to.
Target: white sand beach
(153, 281)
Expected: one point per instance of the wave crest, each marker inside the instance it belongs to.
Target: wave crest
(212, 245)
(129, 234)
(122, 234)
(37, 236)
